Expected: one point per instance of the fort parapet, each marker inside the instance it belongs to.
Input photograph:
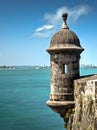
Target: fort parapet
(84, 114)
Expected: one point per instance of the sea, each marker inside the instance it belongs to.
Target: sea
(23, 95)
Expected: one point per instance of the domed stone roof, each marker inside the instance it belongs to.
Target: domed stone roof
(65, 39)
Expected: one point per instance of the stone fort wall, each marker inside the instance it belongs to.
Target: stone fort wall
(84, 116)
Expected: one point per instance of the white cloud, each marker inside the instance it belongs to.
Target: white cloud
(43, 31)
(42, 34)
(45, 27)
(76, 12)
(54, 19)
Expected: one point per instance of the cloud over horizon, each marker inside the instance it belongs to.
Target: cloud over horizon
(53, 20)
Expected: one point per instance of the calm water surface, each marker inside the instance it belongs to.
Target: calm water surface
(23, 96)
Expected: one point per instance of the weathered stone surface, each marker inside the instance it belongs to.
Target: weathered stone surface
(85, 112)
(74, 100)
(64, 53)
(61, 82)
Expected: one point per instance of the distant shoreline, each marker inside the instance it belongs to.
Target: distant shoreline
(7, 67)
(4, 67)
(88, 66)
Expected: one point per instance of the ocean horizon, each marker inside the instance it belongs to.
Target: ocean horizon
(23, 95)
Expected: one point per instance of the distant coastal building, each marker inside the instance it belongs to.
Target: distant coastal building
(88, 66)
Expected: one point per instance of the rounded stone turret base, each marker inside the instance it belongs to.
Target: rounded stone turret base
(63, 108)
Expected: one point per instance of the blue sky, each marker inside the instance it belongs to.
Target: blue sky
(26, 27)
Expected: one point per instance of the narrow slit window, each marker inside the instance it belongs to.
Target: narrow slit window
(65, 68)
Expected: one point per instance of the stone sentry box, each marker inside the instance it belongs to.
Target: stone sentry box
(64, 53)
(71, 96)
(64, 69)
(64, 50)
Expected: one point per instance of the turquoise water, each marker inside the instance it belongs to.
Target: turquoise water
(23, 96)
